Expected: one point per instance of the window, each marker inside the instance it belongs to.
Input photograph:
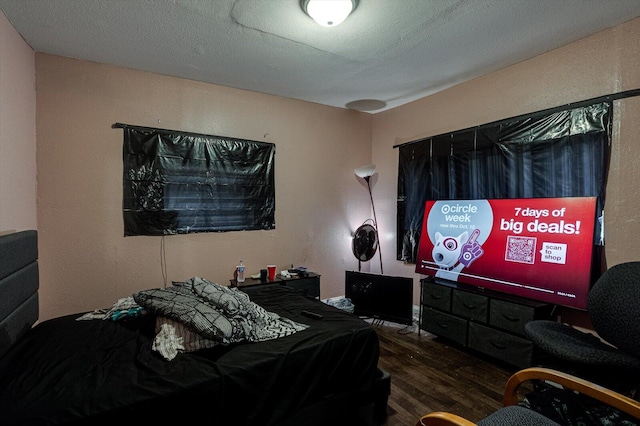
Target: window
(554, 154)
(178, 183)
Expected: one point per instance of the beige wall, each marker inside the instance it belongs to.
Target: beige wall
(605, 63)
(17, 131)
(87, 263)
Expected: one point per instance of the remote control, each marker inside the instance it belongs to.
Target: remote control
(310, 314)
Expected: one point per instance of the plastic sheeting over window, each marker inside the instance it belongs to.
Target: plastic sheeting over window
(560, 154)
(178, 183)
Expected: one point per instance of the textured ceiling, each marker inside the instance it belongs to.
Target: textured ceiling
(387, 53)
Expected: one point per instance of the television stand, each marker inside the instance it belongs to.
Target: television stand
(483, 321)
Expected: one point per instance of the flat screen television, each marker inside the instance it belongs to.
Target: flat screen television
(381, 297)
(538, 248)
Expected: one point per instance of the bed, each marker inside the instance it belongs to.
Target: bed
(97, 371)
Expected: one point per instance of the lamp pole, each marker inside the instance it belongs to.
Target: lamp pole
(375, 221)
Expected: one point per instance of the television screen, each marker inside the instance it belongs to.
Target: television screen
(539, 248)
(380, 296)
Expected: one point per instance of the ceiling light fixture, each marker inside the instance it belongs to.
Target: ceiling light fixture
(366, 104)
(328, 13)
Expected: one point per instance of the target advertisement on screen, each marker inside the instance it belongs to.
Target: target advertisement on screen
(539, 248)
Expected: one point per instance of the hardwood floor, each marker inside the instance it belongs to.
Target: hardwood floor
(429, 374)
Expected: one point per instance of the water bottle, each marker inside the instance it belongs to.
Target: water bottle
(240, 271)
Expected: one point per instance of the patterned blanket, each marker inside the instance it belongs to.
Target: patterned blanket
(223, 314)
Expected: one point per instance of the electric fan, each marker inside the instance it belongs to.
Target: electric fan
(365, 242)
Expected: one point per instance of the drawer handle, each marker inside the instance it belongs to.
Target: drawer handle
(470, 307)
(445, 326)
(435, 297)
(512, 319)
(497, 345)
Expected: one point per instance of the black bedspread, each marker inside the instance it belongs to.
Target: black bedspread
(99, 372)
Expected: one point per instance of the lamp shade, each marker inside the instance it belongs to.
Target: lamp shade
(365, 171)
(328, 13)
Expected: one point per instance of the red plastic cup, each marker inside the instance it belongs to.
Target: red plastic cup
(271, 272)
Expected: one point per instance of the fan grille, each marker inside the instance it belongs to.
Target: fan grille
(365, 242)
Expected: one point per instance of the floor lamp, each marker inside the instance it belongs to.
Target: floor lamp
(365, 172)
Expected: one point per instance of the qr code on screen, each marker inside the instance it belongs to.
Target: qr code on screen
(521, 249)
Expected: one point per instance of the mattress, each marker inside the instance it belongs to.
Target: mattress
(65, 371)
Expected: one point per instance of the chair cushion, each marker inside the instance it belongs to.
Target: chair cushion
(568, 407)
(515, 415)
(575, 346)
(613, 306)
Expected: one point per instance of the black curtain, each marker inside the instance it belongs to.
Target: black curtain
(560, 154)
(177, 182)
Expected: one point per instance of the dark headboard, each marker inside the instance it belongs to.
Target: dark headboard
(18, 286)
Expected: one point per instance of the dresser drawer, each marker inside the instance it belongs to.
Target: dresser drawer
(497, 344)
(436, 296)
(445, 325)
(510, 316)
(469, 305)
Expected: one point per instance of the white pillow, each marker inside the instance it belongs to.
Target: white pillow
(173, 337)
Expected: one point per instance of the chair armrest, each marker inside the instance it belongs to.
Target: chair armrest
(441, 418)
(585, 387)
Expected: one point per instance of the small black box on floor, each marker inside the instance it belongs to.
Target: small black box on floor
(382, 390)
